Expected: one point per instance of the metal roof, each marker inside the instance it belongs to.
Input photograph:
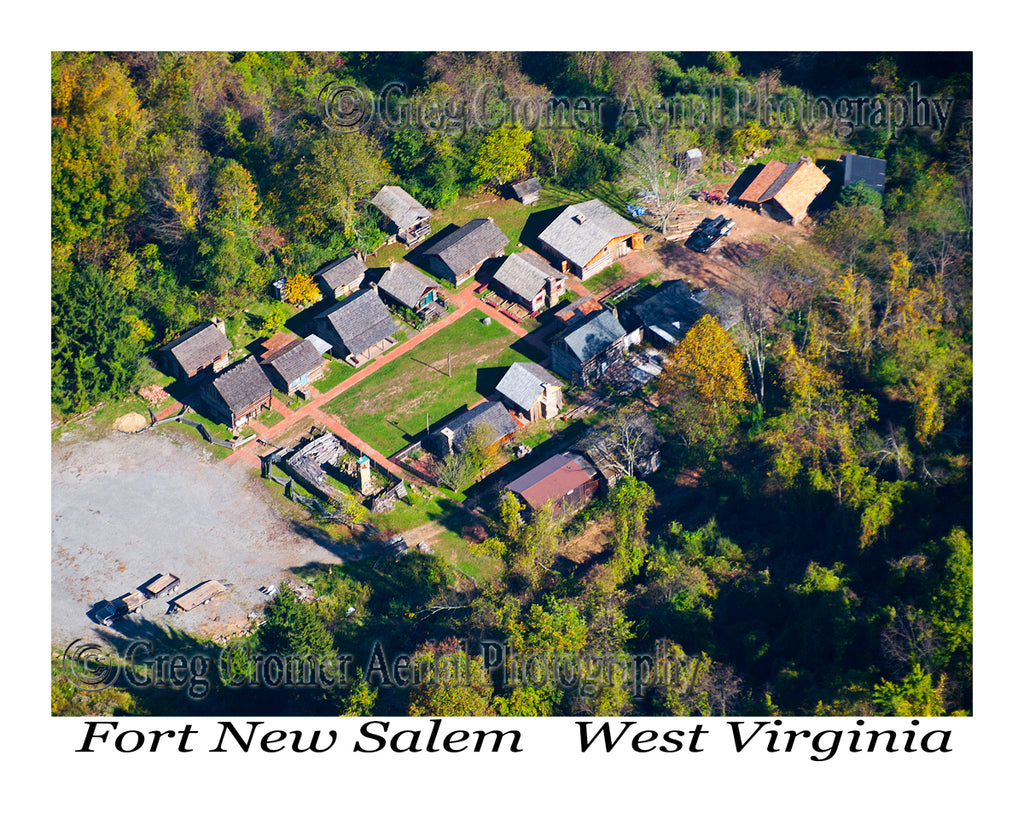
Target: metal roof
(866, 169)
(558, 476)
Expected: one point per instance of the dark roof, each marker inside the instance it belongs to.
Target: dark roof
(593, 336)
(866, 169)
(241, 384)
(526, 187)
(199, 347)
(580, 231)
(343, 272)
(466, 247)
(525, 274)
(522, 384)
(360, 321)
(405, 284)
(670, 311)
(399, 206)
(295, 360)
(491, 413)
(553, 479)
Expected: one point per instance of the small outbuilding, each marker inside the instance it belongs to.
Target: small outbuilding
(341, 277)
(527, 191)
(585, 352)
(452, 436)
(294, 366)
(405, 286)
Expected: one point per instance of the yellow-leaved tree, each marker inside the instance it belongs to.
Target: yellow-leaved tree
(301, 289)
(705, 385)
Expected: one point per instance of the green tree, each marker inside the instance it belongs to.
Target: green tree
(504, 155)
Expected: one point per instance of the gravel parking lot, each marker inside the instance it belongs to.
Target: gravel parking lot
(128, 507)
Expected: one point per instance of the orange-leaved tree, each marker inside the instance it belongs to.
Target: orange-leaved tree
(705, 386)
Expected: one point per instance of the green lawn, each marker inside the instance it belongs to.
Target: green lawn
(389, 409)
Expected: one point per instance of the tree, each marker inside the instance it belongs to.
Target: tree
(653, 166)
(451, 684)
(558, 147)
(914, 696)
(339, 171)
(455, 471)
(630, 502)
(704, 384)
(301, 289)
(94, 353)
(504, 155)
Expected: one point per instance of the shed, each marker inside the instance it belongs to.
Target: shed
(406, 217)
(294, 366)
(866, 169)
(785, 191)
(239, 393)
(457, 257)
(359, 326)
(404, 285)
(587, 237)
(200, 351)
(342, 276)
(531, 390)
(530, 281)
(667, 314)
(527, 191)
(567, 481)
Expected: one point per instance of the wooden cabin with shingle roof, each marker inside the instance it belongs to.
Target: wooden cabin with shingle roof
(404, 285)
(785, 191)
(294, 365)
(586, 238)
(341, 277)
(530, 390)
(409, 220)
(200, 352)
(239, 393)
(452, 436)
(527, 191)
(527, 279)
(457, 257)
(584, 352)
(358, 327)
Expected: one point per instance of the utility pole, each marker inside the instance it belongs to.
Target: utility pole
(428, 423)
(449, 363)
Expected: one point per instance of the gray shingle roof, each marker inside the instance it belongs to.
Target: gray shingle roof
(527, 186)
(466, 247)
(580, 231)
(524, 274)
(522, 384)
(359, 321)
(295, 361)
(399, 206)
(405, 284)
(593, 336)
(199, 347)
(491, 413)
(343, 272)
(241, 384)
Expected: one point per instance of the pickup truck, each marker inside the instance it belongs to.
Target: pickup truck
(110, 610)
(709, 233)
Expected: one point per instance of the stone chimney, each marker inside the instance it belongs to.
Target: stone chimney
(219, 324)
(549, 400)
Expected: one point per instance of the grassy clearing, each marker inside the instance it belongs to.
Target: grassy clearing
(389, 409)
(607, 278)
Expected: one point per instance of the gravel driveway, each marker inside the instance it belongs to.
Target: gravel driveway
(128, 507)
